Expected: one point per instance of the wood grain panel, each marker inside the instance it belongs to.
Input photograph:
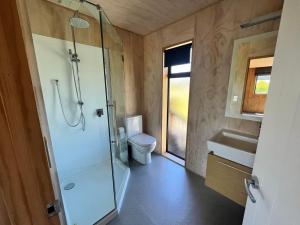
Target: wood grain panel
(253, 103)
(144, 17)
(25, 184)
(227, 178)
(32, 63)
(133, 49)
(213, 30)
(51, 20)
(152, 93)
(153, 72)
(4, 213)
(178, 32)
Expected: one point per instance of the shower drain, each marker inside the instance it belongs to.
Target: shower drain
(69, 186)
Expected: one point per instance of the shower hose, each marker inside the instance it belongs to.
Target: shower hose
(81, 119)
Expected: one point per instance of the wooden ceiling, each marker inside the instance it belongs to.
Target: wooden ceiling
(145, 16)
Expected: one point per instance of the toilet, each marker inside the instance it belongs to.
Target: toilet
(141, 144)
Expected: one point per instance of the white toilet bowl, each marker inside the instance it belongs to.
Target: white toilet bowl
(141, 144)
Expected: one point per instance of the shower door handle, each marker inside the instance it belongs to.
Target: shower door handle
(47, 152)
(113, 105)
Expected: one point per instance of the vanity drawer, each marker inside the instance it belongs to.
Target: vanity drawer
(227, 178)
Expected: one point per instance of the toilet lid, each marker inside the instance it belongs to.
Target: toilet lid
(142, 140)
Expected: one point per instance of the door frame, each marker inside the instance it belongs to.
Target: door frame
(26, 188)
(166, 86)
(40, 106)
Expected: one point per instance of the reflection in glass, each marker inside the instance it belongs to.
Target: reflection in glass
(257, 85)
(262, 84)
(114, 69)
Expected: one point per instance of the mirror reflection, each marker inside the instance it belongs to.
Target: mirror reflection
(257, 85)
(250, 76)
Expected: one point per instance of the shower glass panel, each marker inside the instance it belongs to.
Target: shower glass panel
(82, 82)
(114, 68)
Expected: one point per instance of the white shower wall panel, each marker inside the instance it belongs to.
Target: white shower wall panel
(74, 149)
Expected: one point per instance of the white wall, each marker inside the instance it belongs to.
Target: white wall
(73, 148)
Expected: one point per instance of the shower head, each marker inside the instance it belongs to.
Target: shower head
(77, 22)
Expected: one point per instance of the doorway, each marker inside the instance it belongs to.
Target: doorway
(178, 62)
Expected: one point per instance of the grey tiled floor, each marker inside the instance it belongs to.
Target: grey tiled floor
(164, 193)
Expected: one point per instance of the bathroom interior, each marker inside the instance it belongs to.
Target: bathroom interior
(121, 95)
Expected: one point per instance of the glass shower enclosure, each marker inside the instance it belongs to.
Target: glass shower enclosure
(82, 82)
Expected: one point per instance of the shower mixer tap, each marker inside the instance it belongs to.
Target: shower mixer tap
(74, 57)
(99, 112)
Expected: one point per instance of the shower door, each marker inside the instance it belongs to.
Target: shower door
(114, 69)
(82, 153)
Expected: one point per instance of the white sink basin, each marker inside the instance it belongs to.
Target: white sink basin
(234, 146)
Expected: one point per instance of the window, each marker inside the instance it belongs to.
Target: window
(184, 68)
(178, 64)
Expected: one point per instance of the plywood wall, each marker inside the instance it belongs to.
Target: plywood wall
(51, 20)
(153, 79)
(213, 31)
(133, 48)
(25, 184)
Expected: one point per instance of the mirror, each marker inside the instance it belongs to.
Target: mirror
(250, 76)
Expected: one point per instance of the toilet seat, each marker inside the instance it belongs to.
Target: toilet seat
(142, 141)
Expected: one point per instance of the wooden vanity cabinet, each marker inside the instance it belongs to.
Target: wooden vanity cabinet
(227, 178)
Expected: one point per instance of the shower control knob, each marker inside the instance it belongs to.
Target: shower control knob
(99, 112)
